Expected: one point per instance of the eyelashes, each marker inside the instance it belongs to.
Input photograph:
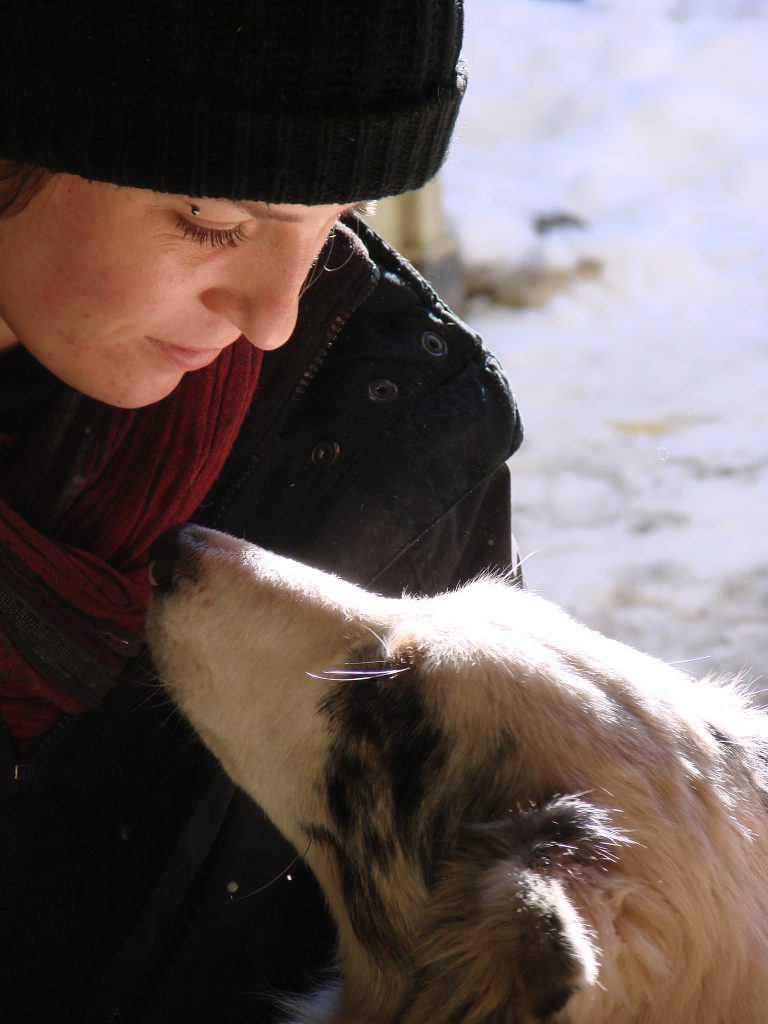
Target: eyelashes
(216, 238)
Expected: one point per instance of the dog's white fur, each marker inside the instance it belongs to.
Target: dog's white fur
(661, 918)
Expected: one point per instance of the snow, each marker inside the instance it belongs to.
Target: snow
(641, 492)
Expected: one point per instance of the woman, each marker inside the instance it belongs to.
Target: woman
(179, 186)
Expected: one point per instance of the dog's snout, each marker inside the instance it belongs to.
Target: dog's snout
(174, 555)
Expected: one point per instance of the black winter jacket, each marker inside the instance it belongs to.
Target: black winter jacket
(138, 885)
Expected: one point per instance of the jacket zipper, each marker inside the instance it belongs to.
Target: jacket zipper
(310, 372)
(302, 384)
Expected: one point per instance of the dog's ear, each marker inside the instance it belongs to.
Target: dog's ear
(502, 942)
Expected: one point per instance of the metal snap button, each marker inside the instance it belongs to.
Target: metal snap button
(434, 344)
(383, 390)
(325, 453)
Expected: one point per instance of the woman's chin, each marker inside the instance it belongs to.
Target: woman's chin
(129, 394)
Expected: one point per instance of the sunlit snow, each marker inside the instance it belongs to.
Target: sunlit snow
(641, 493)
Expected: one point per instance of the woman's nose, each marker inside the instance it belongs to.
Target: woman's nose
(260, 297)
(265, 316)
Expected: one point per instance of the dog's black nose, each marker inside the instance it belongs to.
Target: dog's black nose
(173, 555)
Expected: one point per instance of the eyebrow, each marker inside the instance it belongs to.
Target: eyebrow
(262, 211)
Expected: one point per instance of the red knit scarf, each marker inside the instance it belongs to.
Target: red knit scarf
(84, 492)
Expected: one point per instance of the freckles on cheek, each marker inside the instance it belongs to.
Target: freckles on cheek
(138, 287)
(112, 287)
(57, 300)
(71, 290)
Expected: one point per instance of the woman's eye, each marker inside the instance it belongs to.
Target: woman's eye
(216, 238)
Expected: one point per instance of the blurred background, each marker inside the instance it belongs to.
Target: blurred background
(603, 222)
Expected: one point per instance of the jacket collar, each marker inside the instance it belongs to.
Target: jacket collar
(348, 276)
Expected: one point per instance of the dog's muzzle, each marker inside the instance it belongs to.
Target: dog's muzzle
(175, 556)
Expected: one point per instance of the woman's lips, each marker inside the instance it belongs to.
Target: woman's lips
(186, 358)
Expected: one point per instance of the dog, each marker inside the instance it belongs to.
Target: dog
(513, 819)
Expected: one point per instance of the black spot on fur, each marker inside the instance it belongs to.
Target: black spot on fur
(385, 794)
(321, 836)
(385, 747)
(386, 753)
(553, 1004)
(362, 897)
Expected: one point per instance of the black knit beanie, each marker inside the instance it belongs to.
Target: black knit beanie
(305, 101)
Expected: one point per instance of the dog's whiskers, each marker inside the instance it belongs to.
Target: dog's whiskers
(153, 700)
(350, 675)
(375, 635)
(691, 661)
(276, 879)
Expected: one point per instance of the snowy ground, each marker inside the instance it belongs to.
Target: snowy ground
(641, 493)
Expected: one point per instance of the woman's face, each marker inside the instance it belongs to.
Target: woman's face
(120, 291)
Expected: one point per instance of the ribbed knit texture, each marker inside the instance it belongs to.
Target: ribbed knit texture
(308, 101)
(85, 489)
